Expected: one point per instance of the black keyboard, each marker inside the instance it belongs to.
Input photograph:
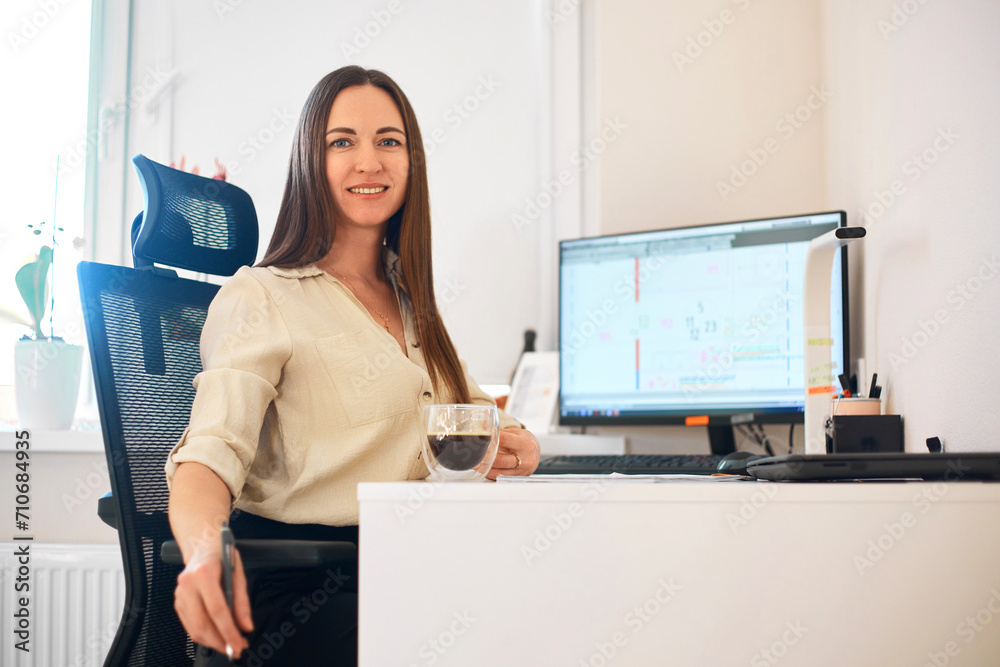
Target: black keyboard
(629, 464)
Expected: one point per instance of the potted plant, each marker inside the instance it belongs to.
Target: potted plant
(47, 368)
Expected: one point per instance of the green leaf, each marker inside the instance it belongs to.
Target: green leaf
(32, 283)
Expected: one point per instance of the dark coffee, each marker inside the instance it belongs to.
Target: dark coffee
(459, 451)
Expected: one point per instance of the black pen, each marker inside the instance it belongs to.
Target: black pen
(228, 541)
(871, 392)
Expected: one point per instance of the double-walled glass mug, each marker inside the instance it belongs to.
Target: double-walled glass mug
(462, 441)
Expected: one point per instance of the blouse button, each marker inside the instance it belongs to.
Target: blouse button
(427, 395)
(416, 343)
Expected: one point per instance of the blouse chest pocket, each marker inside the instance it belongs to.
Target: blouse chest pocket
(372, 382)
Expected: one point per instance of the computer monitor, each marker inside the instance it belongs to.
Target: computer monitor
(692, 324)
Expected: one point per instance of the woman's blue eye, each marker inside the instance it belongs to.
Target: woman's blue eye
(392, 142)
(339, 143)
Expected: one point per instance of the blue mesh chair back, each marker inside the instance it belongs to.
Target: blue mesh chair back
(143, 329)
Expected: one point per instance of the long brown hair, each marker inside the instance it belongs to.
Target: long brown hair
(305, 226)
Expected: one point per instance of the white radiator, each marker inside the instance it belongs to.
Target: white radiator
(76, 599)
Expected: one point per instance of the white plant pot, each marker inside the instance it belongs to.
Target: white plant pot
(46, 383)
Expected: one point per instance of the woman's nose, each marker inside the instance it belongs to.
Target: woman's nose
(367, 159)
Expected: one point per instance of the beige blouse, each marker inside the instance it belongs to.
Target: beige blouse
(303, 395)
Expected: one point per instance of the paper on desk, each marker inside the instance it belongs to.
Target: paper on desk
(617, 478)
(534, 390)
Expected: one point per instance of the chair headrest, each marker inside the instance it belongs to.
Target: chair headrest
(192, 222)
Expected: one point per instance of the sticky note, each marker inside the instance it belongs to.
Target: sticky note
(823, 367)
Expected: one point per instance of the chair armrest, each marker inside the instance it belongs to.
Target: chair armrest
(108, 510)
(263, 554)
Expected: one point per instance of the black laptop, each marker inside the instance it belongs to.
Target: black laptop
(948, 466)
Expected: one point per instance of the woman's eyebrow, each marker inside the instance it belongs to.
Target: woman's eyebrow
(381, 130)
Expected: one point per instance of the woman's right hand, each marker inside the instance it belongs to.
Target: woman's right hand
(201, 603)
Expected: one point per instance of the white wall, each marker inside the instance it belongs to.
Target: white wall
(918, 110)
(922, 81)
(476, 74)
(702, 87)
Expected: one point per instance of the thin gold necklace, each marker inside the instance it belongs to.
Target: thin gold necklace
(385, 302)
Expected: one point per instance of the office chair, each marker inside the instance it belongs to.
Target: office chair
(143, 328)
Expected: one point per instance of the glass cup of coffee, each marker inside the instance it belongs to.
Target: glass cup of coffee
(462, 441)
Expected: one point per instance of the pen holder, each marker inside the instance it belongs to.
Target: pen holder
(856, 406)
(853, 433)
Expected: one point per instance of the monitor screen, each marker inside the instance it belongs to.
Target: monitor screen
(667, 326)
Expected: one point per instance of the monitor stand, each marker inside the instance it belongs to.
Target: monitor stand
(720, 438)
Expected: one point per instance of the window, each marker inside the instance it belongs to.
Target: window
(45, 70)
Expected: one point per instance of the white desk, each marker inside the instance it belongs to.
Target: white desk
(700, 574)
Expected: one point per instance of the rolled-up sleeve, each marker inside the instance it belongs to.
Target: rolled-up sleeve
(244, 346)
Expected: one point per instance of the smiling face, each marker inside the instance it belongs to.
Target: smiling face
(367, 163)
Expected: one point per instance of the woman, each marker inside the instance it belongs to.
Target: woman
(317, 365)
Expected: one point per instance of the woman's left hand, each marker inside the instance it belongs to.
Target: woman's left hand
(518, 453)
